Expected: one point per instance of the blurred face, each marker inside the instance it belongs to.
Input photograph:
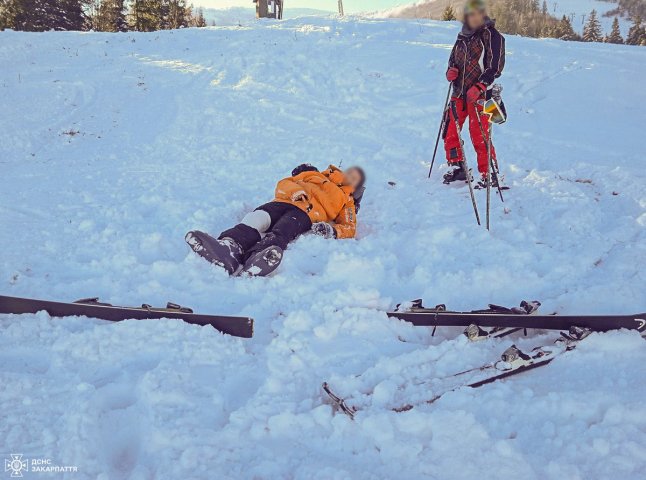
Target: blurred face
(475, 19)
(353, 177)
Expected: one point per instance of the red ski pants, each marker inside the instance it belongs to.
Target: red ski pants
(451, 141)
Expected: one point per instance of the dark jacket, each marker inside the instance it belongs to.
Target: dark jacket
(479, 55)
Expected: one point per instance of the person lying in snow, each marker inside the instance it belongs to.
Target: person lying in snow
(477, 59)
(324, 202)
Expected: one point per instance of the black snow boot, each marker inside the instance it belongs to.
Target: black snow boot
(458, 174)
(482, 183)
(225, 253)
(263, 262)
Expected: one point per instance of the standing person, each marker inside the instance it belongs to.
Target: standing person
(324, 202)
(477, 60)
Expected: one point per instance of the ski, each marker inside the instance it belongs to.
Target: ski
(512, 362)
(501, 188)
(515, 318)
(91, 307)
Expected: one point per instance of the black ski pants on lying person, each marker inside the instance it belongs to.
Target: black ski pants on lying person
(282, 223)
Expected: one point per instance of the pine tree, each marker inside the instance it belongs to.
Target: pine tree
(178, 14)
(564, 30)
(7, 14)
(637, 33)
(111, 16)
(449, 14)
(145, 15)
(163, 13)
(118, 16)
(544, 8)
(70, 15)
(592, 30)
(615, 33)
(523, 26)
(23, 15)
(42, 15)
(33, 15)
(198, 19)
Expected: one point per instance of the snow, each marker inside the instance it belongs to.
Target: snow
(113, 146)
(398, 10)
(234, 16)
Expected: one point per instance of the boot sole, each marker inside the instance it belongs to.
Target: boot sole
(263, 262)
(209, 249)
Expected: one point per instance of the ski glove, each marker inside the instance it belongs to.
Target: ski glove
(323, 229)
(452, 74)
(475, 93)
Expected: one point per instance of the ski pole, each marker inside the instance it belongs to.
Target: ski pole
(454, 110)
(496, 175)
(488, 177)
(492, 169)
(495, 171)
(437, 141)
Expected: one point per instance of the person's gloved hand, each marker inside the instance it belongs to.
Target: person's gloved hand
(452, 74)
(475, 93)
(323, 229)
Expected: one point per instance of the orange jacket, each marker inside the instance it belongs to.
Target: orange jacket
(324, 197)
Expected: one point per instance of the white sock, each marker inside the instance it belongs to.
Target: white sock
(258, 219)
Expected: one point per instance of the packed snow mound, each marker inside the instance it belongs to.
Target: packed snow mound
(113, 146)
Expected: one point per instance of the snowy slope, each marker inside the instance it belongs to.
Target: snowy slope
(113, 146)
(229, 16)
(243, 15)
(421, 9)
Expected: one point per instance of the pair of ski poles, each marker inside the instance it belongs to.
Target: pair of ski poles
(491, 166)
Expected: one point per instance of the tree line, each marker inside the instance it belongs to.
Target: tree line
(99, 15)
(628, 9)
(531, 18)
(592, 32)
